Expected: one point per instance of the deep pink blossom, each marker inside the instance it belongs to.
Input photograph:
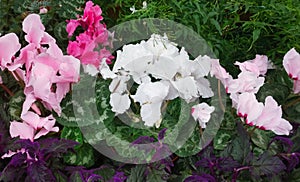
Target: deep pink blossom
(94, 38)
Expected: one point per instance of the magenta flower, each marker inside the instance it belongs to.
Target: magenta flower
(266, 116)
(95, 36)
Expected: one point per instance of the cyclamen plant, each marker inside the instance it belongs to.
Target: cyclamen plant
(162, 73)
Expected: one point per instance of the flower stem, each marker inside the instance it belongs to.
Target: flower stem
(10, 93)
(220, 97)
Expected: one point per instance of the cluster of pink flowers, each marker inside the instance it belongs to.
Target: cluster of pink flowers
(242, 91)
(90, 45)
(45, 72)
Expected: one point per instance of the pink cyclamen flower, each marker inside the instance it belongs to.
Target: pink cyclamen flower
(259, 65)
(33, 126)
(291, 64)
(202, 113)
(9, 45)
(219, 72)
(266, 117)
(95, 37)
(43, 10)
(246, 82)
(33, 27)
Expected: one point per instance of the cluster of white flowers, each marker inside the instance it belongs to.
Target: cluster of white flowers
(162, 71)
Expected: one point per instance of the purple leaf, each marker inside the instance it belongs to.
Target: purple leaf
(285, 141)
(267, 165)
(227, 164)
(202, 178)
(161, 134)
(56, 147)
(38, 172)
(118, 177)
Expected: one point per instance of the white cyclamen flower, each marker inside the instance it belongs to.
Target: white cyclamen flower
(151, 96)
(202, 113)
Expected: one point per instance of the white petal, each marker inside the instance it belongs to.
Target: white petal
(151, 93)
(90, 69)
(203, 87)
(186, 87)
(151, 113)
(105, 71)
(164, 68)
(120, 103)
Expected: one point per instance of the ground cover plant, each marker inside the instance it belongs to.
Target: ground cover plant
(78, 106)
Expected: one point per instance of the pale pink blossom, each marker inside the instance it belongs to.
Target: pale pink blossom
(33, 126)
(291, 63)
(202, 113)
(266, 116)
(9, 45)
(11, 153)
(296, 87)
(33, 27)
(43, 10)
(219, 72)
(246, 82)
(270, 119)
(259, 65)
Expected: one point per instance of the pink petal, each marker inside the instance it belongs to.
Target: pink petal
(32, 25)
(71, 27)
(9, 45)
(21, 129)
(291, 63)
(32, 119)
(296, 86)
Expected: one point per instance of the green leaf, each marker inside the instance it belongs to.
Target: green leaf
(294, 175)
(83, 156)
(72, 133)
(261, 138)
(15, 105)
(292, 109)
(222, 139)
(255, 36)
(155, 175)
(137, 174)
(67, 117)
(278, 91)
(241, 146)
